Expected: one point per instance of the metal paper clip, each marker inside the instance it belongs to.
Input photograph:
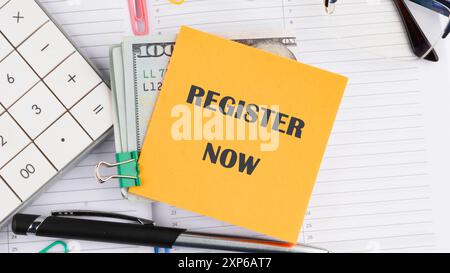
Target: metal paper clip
(102, 179)
(127, 170)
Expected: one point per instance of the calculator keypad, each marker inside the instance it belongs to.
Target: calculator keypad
(46, 49)
(12, 138)
(28, 172)
(16, 78)
(53, 104)
(94, 111)
(8, 198)
(37, 110)
(72, 80)
(5, 47)
(63, 141)
(19, 19)
(3, 2)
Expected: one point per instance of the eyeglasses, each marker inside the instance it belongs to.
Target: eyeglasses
(405, 22)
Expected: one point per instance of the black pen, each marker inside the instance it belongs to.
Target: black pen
(66, 225)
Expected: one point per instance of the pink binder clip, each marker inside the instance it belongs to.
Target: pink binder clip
(139, 17)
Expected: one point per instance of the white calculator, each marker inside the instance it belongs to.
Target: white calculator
(54, 106)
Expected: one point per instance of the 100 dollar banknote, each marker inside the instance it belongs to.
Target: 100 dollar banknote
(145, 63)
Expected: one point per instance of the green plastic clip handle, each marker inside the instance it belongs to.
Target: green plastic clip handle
(128, 169)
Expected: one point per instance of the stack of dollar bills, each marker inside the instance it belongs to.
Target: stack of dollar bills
(138, 67)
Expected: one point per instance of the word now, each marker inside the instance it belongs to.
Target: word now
(229, 158)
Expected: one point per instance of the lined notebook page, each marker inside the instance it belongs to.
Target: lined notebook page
(372, 192)
(94, 26)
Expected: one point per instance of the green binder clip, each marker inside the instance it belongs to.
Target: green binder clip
(127, 170)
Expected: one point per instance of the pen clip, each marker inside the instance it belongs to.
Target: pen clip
(88, 213)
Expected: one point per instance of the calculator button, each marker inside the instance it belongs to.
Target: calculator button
(3, 2)
(5, 47)
(16, 78)
(72, 80)
(28, 172)
(46, 49)
(19, 19)
(63, 141)
(9, 200)
(12, 139)
(37, 110)
(94, 111)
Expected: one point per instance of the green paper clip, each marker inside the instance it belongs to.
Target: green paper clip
(54, 244)
(127, 168)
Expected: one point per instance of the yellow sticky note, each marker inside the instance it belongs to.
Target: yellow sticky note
(238, 134)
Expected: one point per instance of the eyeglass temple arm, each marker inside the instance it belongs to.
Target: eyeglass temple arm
(435, 5)
(417, 39)
(425, 3)
(446, 32)
(445, 12)
(439, 6)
